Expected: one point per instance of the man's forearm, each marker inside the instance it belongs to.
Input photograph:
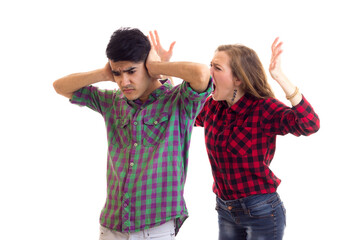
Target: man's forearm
(67, 85)
(196, 74)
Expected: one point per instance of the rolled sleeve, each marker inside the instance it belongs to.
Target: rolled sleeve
(299, 120)
(192, 95)
(193, 101)
(93, 98)
(307, 117)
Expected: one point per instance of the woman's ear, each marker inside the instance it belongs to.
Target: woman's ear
(237, 82)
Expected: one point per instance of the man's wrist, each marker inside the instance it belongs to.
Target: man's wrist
(154, 69)
(104, 75)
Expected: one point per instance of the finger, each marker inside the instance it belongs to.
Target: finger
(172, 46)
(278, 47)
(277, 56)
(152, 38)
(157, 37)
(151, 44)
(280, 51)
(274, 44)
(277, 51)
(275, 61)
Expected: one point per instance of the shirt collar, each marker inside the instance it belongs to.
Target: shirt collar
(166, 85)
(241, 105)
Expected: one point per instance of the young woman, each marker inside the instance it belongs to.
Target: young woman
(241, 121)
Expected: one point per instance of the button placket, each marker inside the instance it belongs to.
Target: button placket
(136, 130)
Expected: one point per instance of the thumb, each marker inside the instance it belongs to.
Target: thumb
(172, 46)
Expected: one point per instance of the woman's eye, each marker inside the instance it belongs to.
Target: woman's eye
(216, 68)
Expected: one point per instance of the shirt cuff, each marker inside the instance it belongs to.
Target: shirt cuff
(78, 96)
(303, 109)
(195, 96)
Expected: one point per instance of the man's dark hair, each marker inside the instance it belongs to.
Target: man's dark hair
(128, 44)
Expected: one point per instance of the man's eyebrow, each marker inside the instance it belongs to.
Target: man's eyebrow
(124, 71)
(129, 69)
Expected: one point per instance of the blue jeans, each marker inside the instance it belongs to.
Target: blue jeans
(257, 217)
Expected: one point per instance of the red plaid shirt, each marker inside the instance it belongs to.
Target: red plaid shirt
(240, 141)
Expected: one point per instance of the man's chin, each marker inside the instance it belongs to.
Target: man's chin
(130, 96)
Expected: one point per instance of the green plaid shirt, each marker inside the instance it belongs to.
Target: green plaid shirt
(147, 153)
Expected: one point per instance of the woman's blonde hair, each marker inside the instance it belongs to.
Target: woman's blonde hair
(246, 66)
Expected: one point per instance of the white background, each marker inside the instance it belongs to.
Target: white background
(53, 154)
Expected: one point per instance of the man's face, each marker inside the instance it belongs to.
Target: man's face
(132, 78)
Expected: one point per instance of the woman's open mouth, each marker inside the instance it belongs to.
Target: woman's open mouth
(214, 88)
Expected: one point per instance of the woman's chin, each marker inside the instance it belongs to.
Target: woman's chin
(215, 97)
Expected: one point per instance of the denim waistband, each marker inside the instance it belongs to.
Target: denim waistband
(247, 202)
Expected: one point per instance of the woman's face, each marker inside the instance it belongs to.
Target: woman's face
(224, 83)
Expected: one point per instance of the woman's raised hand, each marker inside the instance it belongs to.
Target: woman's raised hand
(164, 55)
(275, 62)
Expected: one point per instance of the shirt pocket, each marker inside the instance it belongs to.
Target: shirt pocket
(155, 126)
(122, 136)
(240, 141)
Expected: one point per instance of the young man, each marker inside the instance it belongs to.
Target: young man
(148, 125)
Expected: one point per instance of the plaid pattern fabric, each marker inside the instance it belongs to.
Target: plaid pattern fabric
(240, 141)
(147, 153)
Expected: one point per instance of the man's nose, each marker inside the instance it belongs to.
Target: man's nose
(123, 81)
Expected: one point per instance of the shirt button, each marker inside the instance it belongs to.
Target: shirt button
(135, 144)
(135, 123)
(156, 122)
(131, 164)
